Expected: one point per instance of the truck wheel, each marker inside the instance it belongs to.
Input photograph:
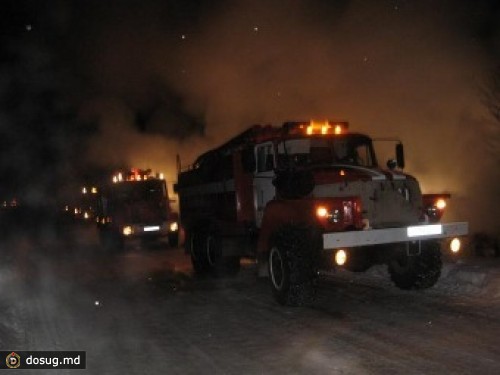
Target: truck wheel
(219, 264)
(292, 267)
(417, 271)
(196, 249)
(358, 261)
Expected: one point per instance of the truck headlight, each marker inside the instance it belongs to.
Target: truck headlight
(440, 204)
(340, 257)
(335, 215)
(127, 230)
(322, 212)
(174, 227)
(455, 245)
(436, 210)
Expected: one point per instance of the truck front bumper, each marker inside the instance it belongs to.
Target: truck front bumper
(393, 235)
(143, 230)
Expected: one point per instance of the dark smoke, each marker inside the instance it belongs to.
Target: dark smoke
(39, 135)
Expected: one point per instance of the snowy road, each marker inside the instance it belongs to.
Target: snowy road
(142, 312)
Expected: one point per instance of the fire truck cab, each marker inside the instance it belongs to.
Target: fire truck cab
(306, 197)
(136, 205)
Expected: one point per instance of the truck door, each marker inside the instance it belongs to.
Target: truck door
(264, 190)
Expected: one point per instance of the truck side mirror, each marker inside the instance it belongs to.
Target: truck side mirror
(392, 164)
(400, 155)
(248, 160)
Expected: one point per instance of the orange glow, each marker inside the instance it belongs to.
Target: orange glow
(135, 174)
(441, 204)
(342, 172)
(321, 212)
(318, 128)
(324, 128)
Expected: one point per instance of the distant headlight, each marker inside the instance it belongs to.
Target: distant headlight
(127, 231)
(174, 227)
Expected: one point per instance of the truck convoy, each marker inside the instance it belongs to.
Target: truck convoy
(307, 197)
(135, 205)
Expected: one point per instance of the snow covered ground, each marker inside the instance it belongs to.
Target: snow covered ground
(467, 277)
(142, 312)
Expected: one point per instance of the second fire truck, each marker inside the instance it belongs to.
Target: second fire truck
(135, 205)
(306, 197)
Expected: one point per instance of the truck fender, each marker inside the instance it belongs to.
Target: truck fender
(279, 213)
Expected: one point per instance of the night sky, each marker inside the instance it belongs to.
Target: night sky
(88, 86)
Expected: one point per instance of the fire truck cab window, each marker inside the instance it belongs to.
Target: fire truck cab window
(298, 151)
(265, 158)
(353, 150)
(131, 191)
(355, 153)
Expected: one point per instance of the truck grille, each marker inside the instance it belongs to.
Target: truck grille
(385, 203)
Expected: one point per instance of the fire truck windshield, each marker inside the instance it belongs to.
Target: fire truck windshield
(350, 149)
(150, 190)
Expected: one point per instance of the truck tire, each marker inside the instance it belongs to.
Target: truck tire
(416, 271)
(358, 261)
(196, 249)
(206, 255)
(220, 265)
(292, 267)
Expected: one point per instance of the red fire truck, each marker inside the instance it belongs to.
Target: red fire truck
(136, 205)
(307, 197)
